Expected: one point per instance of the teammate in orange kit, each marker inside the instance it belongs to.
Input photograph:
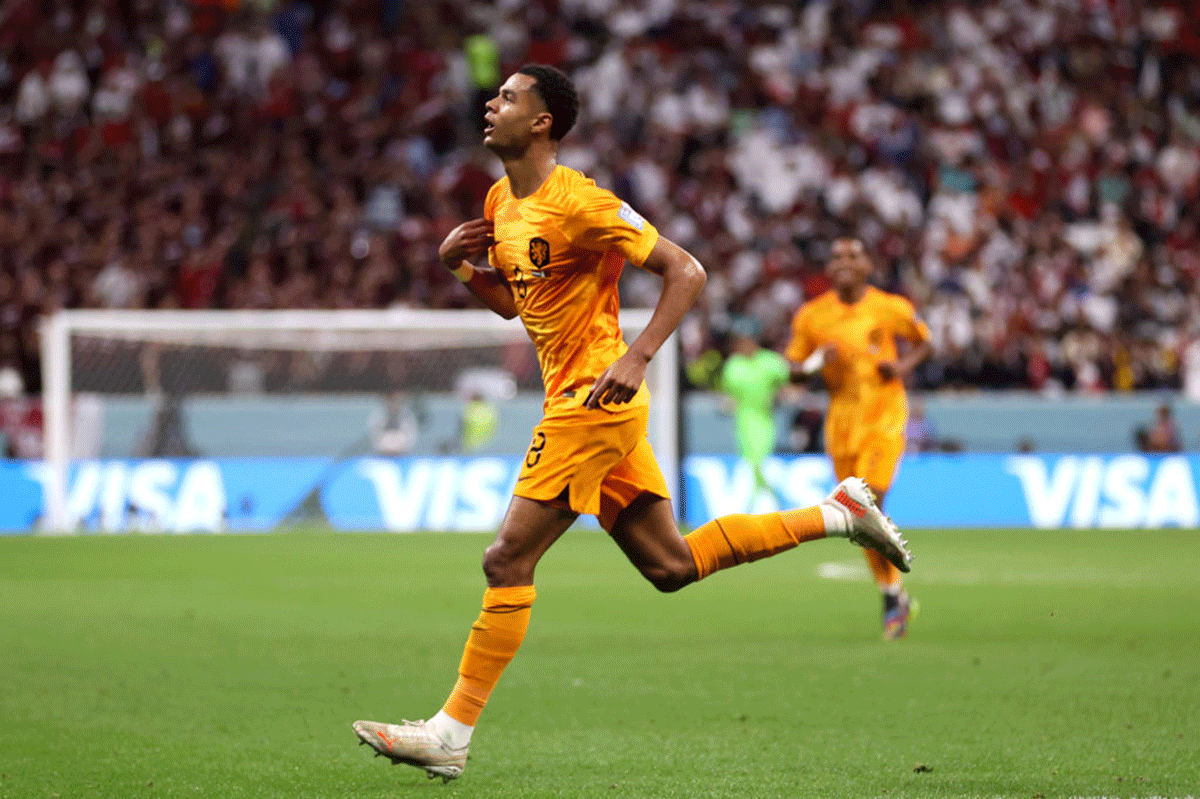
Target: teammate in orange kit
(850, 333)
(556, 245)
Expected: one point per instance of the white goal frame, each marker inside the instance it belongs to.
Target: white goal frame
(376, 329)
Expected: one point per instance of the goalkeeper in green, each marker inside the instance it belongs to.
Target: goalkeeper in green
(751, 376)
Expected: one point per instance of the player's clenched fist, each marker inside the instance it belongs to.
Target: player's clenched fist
(468, 240)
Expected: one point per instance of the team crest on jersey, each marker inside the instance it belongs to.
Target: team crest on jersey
(539, 253)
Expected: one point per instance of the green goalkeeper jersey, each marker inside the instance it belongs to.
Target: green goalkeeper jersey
(752, 381)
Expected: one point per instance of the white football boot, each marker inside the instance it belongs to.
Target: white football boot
(412, 742)
(868, 526)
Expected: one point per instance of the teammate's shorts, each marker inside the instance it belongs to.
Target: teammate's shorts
(866, 448)
(755, 437)
(599, 457)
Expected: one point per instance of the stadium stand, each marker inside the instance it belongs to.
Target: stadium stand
(1028, 171)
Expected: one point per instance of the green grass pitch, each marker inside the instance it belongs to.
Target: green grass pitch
(1042, 664)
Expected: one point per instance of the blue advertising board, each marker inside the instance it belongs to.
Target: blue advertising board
(1042, 491)
(472, 493)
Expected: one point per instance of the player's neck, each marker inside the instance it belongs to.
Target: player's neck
(852, 294)
(528, 171)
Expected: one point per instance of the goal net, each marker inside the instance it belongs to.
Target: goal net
(397, 419)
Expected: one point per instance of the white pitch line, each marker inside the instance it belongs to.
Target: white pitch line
(842, 570)
(856, 570)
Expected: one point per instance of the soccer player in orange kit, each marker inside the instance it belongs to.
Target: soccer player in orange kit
(556, 245)
(849, 333)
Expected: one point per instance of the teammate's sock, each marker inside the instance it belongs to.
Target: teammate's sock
(494, 639)
(891, 595)
(741, 538)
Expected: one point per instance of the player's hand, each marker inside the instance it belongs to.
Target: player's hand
(467, 241)
(619, 382)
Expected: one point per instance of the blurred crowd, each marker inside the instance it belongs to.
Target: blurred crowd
(1026, 171)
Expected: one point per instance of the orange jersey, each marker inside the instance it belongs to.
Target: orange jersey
(562, 250)
(864, 335)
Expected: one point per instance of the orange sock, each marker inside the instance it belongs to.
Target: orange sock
(494, 639)
(886, 575)
(741, 538)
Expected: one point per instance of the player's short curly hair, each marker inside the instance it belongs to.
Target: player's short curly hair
(558, 94)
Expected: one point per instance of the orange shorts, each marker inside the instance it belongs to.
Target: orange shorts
(876, 462)
(599, 457)
(871, 451)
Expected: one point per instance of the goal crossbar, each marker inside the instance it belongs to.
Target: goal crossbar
(343, 330)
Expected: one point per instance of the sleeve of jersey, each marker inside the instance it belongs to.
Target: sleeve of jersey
(599, 221)
(801, 345)
(909, 325)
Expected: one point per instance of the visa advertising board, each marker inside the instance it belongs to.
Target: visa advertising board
(472, 493)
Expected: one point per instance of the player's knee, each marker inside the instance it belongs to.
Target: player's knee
(501, 567)
(670, 576)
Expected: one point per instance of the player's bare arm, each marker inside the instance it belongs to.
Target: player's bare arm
(683, 280)
(466, 243)
(902, 367)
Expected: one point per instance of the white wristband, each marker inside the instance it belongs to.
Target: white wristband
(464, 272)
(813, 363)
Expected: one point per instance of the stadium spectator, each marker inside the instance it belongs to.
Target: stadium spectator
(920, 434)
(477, 423)
(1029, 171)
(395, 425)
(1163, 434)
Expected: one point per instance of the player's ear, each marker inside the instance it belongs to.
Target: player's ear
(541, 123)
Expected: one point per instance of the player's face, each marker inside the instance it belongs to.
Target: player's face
(514, 115)
(744, 345)
(848, 267)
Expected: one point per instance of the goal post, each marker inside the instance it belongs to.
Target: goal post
(291, 358)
